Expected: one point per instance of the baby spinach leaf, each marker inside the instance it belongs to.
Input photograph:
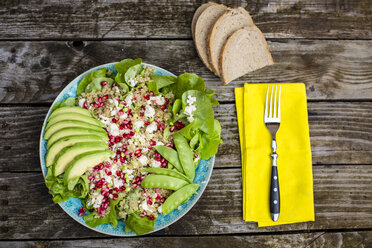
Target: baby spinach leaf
(140, 225)
(208, 142)
(132, 72)
(162, 81)
(152, 87)
(185, 82)
(119, 79)
(71, 101)
(125, 64)
(88, 79)
(203, 114)
(95, 84)
(209, 93)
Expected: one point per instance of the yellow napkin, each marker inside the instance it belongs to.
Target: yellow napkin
(294, 161)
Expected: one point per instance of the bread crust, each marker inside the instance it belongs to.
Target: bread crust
(211, 39)
(200, 42)
(227, 44)
(197, 13)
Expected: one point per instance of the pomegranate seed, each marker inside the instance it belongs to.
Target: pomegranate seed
(114, 196)
(122, 160)
(134, 98)
(120, 112)
(169, 145)
(147, 97)
(150, 147)
(172, 129)
(100, 99)
(81, 211)
(85, 105)
(163, 107)
(114, 84)
(91, 177)
(151, 93)
(147, 123)
(196, 155)
(157, 121)
(105, 97)
(166, 102)
(179, 122)
(157, 159)
(96, 105)
(101, 166)
(114, 120)
(151, 217)
(118, 173)
(115, 161)
(103, 83)
(121, 189)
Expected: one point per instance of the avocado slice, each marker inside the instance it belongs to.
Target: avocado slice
(82, 163)
(68, 131)
(68, 154)
(63, 124)
(68, 141)
(73, 116)
(77, 110)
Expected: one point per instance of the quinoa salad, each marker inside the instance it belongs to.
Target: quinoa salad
(129, 143)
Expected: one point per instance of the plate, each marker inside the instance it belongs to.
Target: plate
(71, 207)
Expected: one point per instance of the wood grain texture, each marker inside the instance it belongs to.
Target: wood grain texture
(340, 133)
(341, 196)
(316, 240)
(35, 72)
(172, 19)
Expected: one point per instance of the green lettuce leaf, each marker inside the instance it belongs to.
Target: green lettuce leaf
(60, 192)
(139, 225)
(111, 217)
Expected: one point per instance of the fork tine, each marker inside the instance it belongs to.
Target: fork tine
(267, 96)
(274, 116)
(280, 92)
(271, 103)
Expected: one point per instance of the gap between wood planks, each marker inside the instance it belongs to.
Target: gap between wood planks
(322, 231)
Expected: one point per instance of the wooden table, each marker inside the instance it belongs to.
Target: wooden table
(325, 44)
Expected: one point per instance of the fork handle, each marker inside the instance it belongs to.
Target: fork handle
(274, 187)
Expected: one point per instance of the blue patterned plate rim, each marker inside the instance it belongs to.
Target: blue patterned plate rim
(203, 170)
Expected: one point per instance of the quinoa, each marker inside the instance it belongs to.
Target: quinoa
(135, 121)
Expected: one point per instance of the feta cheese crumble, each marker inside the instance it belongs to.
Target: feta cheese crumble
(190, 108)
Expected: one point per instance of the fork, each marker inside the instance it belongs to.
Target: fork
(272, 123)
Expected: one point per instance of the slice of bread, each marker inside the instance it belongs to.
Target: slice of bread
(245, 50)
(202, 29)
(223, 28)
(197, 13)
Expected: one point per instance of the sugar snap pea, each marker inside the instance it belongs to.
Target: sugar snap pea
(170, 155)
(167, 172)
(163, 182)
(185, 155)
(180, 196)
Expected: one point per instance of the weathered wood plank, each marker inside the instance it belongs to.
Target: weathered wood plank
(340, 134)
(35, 72)
(341, 201)
(316, 239)
(169, 19)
